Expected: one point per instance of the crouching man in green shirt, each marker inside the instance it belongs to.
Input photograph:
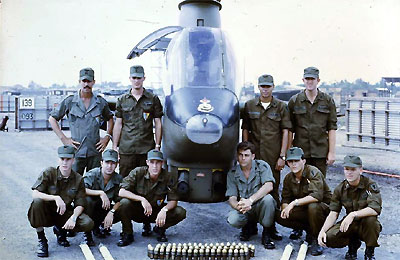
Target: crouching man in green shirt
(102, 188)
(361, 198)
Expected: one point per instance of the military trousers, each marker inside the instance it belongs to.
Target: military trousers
(262, 211)
(96, 212)
(309, 217)
(133, 210)
(320, 163)
(366, 229)
(44, 214)
(128, 162)
(89, 163)
(275, 191)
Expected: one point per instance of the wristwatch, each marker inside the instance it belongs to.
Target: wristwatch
(158, 145)
(282, 157)
(112, 211)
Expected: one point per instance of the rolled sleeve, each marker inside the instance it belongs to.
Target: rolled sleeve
(332, 120)
(246, 119)
(59, 111)
(291, 114)
(286, 192)
(88, 179)
(374, 200)
(231, 185)
(335, 204)
(128, 183)
(265, 173)
(158, 109)
(42, 181)
(286, 123)
(118, 109)
(80, 199)
(316, 188)
(107, 113)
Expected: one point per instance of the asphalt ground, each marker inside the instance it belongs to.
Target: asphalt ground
(25, 154)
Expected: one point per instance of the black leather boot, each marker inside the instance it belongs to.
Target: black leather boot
(161, 237)
(296, 234)
(89, 238)
(266, 239)
(126, 239)
(146, 230)
(353, 246)
(369, 253)
(275, 234)
(43, 248)
(61, 236)
(316, 249)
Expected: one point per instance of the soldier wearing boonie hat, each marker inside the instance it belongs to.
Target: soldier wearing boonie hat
(63, 209)
(152, 186)
(102, 200)
(314, 120)
(133, 133)
(305, 199)
(361, 198)
(86, 113)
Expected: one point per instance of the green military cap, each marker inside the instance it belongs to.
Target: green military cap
(294, 153)
(311, 72)
(110, 155)
(66, 151)
(137, 71)
(86, 73)
(155, 155)
(352, 161)
(265, 80)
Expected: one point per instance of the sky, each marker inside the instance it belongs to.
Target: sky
(49, 41)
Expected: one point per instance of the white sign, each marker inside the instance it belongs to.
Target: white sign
(27, 103)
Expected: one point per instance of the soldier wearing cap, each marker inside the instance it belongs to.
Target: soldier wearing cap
(133, 131)
(248, 187)
(102, 188)
(58, 201)
(361, 198)
(266, 123)
(313, 115)
(144, 192)
(86, 113)
(305, 199)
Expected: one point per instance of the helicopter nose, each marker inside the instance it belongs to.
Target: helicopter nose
(204, 129)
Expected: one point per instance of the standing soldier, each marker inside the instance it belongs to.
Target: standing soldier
(361, 198)
(313, 115)
(54, 193)
(248, 187)
(85, 113)
(143, 194)
(305, 198)
(102, 188)
(133, 131)
(266, 123)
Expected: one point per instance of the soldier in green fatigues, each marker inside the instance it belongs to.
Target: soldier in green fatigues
(54, 192)
(361, 198)
(102, 200)
(133, 131)
(144, 192)
(266, 123)
(305, 198)
(85, 113)
(313, 115)
(248, 187)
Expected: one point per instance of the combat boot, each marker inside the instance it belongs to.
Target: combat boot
(161, 237)
(316, 249)
(275, 234)
(266, 239)
(98, 232)
(89, 239)
(61, 236)
(146, 230)
(296, 234)
(43, 248)
(248, 230)
(125, 239)
(354, 245)
(369, 253)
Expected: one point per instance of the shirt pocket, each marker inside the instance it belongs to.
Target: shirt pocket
(147, 106)
(322, 114)
(75, 114)
(52, 190)
(72, 193)
(254, 115)
(300, 113)
(127, 112)
(96, 115)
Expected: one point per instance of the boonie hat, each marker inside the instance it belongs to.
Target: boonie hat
(352, 161)
(311, 72)
(294, 153)
(110, 155)
(265, 80)
(86, 73)
(137, 71)
(155, 155)
(66, 151)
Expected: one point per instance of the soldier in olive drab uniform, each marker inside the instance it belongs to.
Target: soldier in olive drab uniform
(361, 198)
(313, 115)
(248, 187)
(144, 193)
(85, 113)
(266, 123)
(305, 198)
(54, 192)
(133, 131)
(102, 188)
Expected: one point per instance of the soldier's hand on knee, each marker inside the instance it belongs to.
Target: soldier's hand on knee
(344, 226)
(147, 207)
(105, 200)
(61, 207)
(108, 220)
(161, 217)
(70, 224)
(322, 238)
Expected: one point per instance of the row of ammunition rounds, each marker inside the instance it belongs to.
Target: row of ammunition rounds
(189, 251)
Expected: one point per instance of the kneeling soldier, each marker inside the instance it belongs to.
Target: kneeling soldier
(362, 200)
(251, 181)
(143, 194)
(102, 188)
(53, 194)
(305, 198)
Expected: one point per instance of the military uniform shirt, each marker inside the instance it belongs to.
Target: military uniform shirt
(94, 180)
(311, 123)
(84, 123)
(137, 122)
(312, 183)
(71, 189)
(237, 185)
(138, 182)
(366, 194)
